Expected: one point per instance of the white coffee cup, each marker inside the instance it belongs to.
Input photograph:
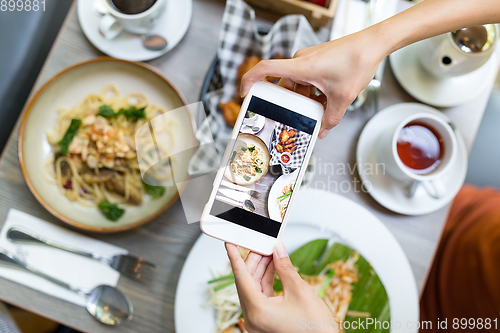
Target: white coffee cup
(250, 121)
(112, 24)
(396, 169)
(458, 52)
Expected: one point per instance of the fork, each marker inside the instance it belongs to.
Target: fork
(128, 265)
(252, 193)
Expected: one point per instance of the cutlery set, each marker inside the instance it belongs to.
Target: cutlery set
(237, 195)
(105, 303)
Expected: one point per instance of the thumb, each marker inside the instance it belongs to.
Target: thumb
(288, 275)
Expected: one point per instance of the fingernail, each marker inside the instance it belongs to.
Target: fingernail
(323, 133)
(281, 250)
(243, 95)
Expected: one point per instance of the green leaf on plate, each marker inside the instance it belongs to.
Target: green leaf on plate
(369, 294)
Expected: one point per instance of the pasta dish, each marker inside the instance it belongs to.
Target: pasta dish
(94, 158)
(247, 162)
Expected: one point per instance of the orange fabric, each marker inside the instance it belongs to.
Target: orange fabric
(464, 280)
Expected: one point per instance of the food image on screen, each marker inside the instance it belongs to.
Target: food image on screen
(284, 199)
(263, 167)
(94, 158)
(247, 161)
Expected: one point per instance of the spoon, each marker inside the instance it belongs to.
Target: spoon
(255, 129)
(248, 205)
(150, 42)
(105, 303)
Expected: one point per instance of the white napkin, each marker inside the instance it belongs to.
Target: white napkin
(68, 267)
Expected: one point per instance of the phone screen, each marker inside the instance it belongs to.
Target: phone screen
(263, 167)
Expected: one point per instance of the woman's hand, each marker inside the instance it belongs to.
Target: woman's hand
(298, 309)
(340, 69)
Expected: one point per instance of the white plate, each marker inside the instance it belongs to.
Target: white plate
(172, 26)
(389, 192)
(441, 92)
(249, 139)
(67, 89)
(316, 214)
(259, 122)
(276, 191)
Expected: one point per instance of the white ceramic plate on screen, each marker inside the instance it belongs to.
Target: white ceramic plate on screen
(277, 191)
(172, 26)
(67, 89)
(249, 139)
(441, 92)
(315, 214)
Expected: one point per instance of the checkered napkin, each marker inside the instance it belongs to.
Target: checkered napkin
(298, 154)
(238, 39)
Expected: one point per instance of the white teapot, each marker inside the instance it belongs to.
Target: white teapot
(458, 52)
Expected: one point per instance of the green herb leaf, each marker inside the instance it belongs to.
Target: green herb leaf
(106, 111)
(154, 191)
(258, 170)
(110, 210)
(69, 135)
(244, 148)
(247, 178)
(232, 157)
(251, 148)
(133, 113)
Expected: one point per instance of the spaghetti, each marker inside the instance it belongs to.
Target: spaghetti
(95, 158)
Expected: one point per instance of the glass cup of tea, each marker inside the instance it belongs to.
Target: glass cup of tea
(458, 52)
(421, 148)
(134, 16)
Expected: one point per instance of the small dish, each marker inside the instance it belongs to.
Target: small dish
(441, 92)
(259, 123)
(172, 26)
(285, 158)
(389, 192)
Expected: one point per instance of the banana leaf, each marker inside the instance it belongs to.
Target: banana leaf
(368, 295)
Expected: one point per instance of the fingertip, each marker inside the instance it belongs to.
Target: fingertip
(323, 133)
(280, 250)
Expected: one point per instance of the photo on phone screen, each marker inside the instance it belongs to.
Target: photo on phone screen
(266, 158)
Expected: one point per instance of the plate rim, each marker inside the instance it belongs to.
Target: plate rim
(20, 142)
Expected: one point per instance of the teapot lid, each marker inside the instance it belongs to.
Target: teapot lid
(475, 39)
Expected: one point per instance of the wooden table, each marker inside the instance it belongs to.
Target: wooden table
(168, 239)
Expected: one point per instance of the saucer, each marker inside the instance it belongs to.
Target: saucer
(441, 92)
(172, 26)
(259, 122)
(389, 192)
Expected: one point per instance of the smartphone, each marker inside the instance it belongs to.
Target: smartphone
(262, 168)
